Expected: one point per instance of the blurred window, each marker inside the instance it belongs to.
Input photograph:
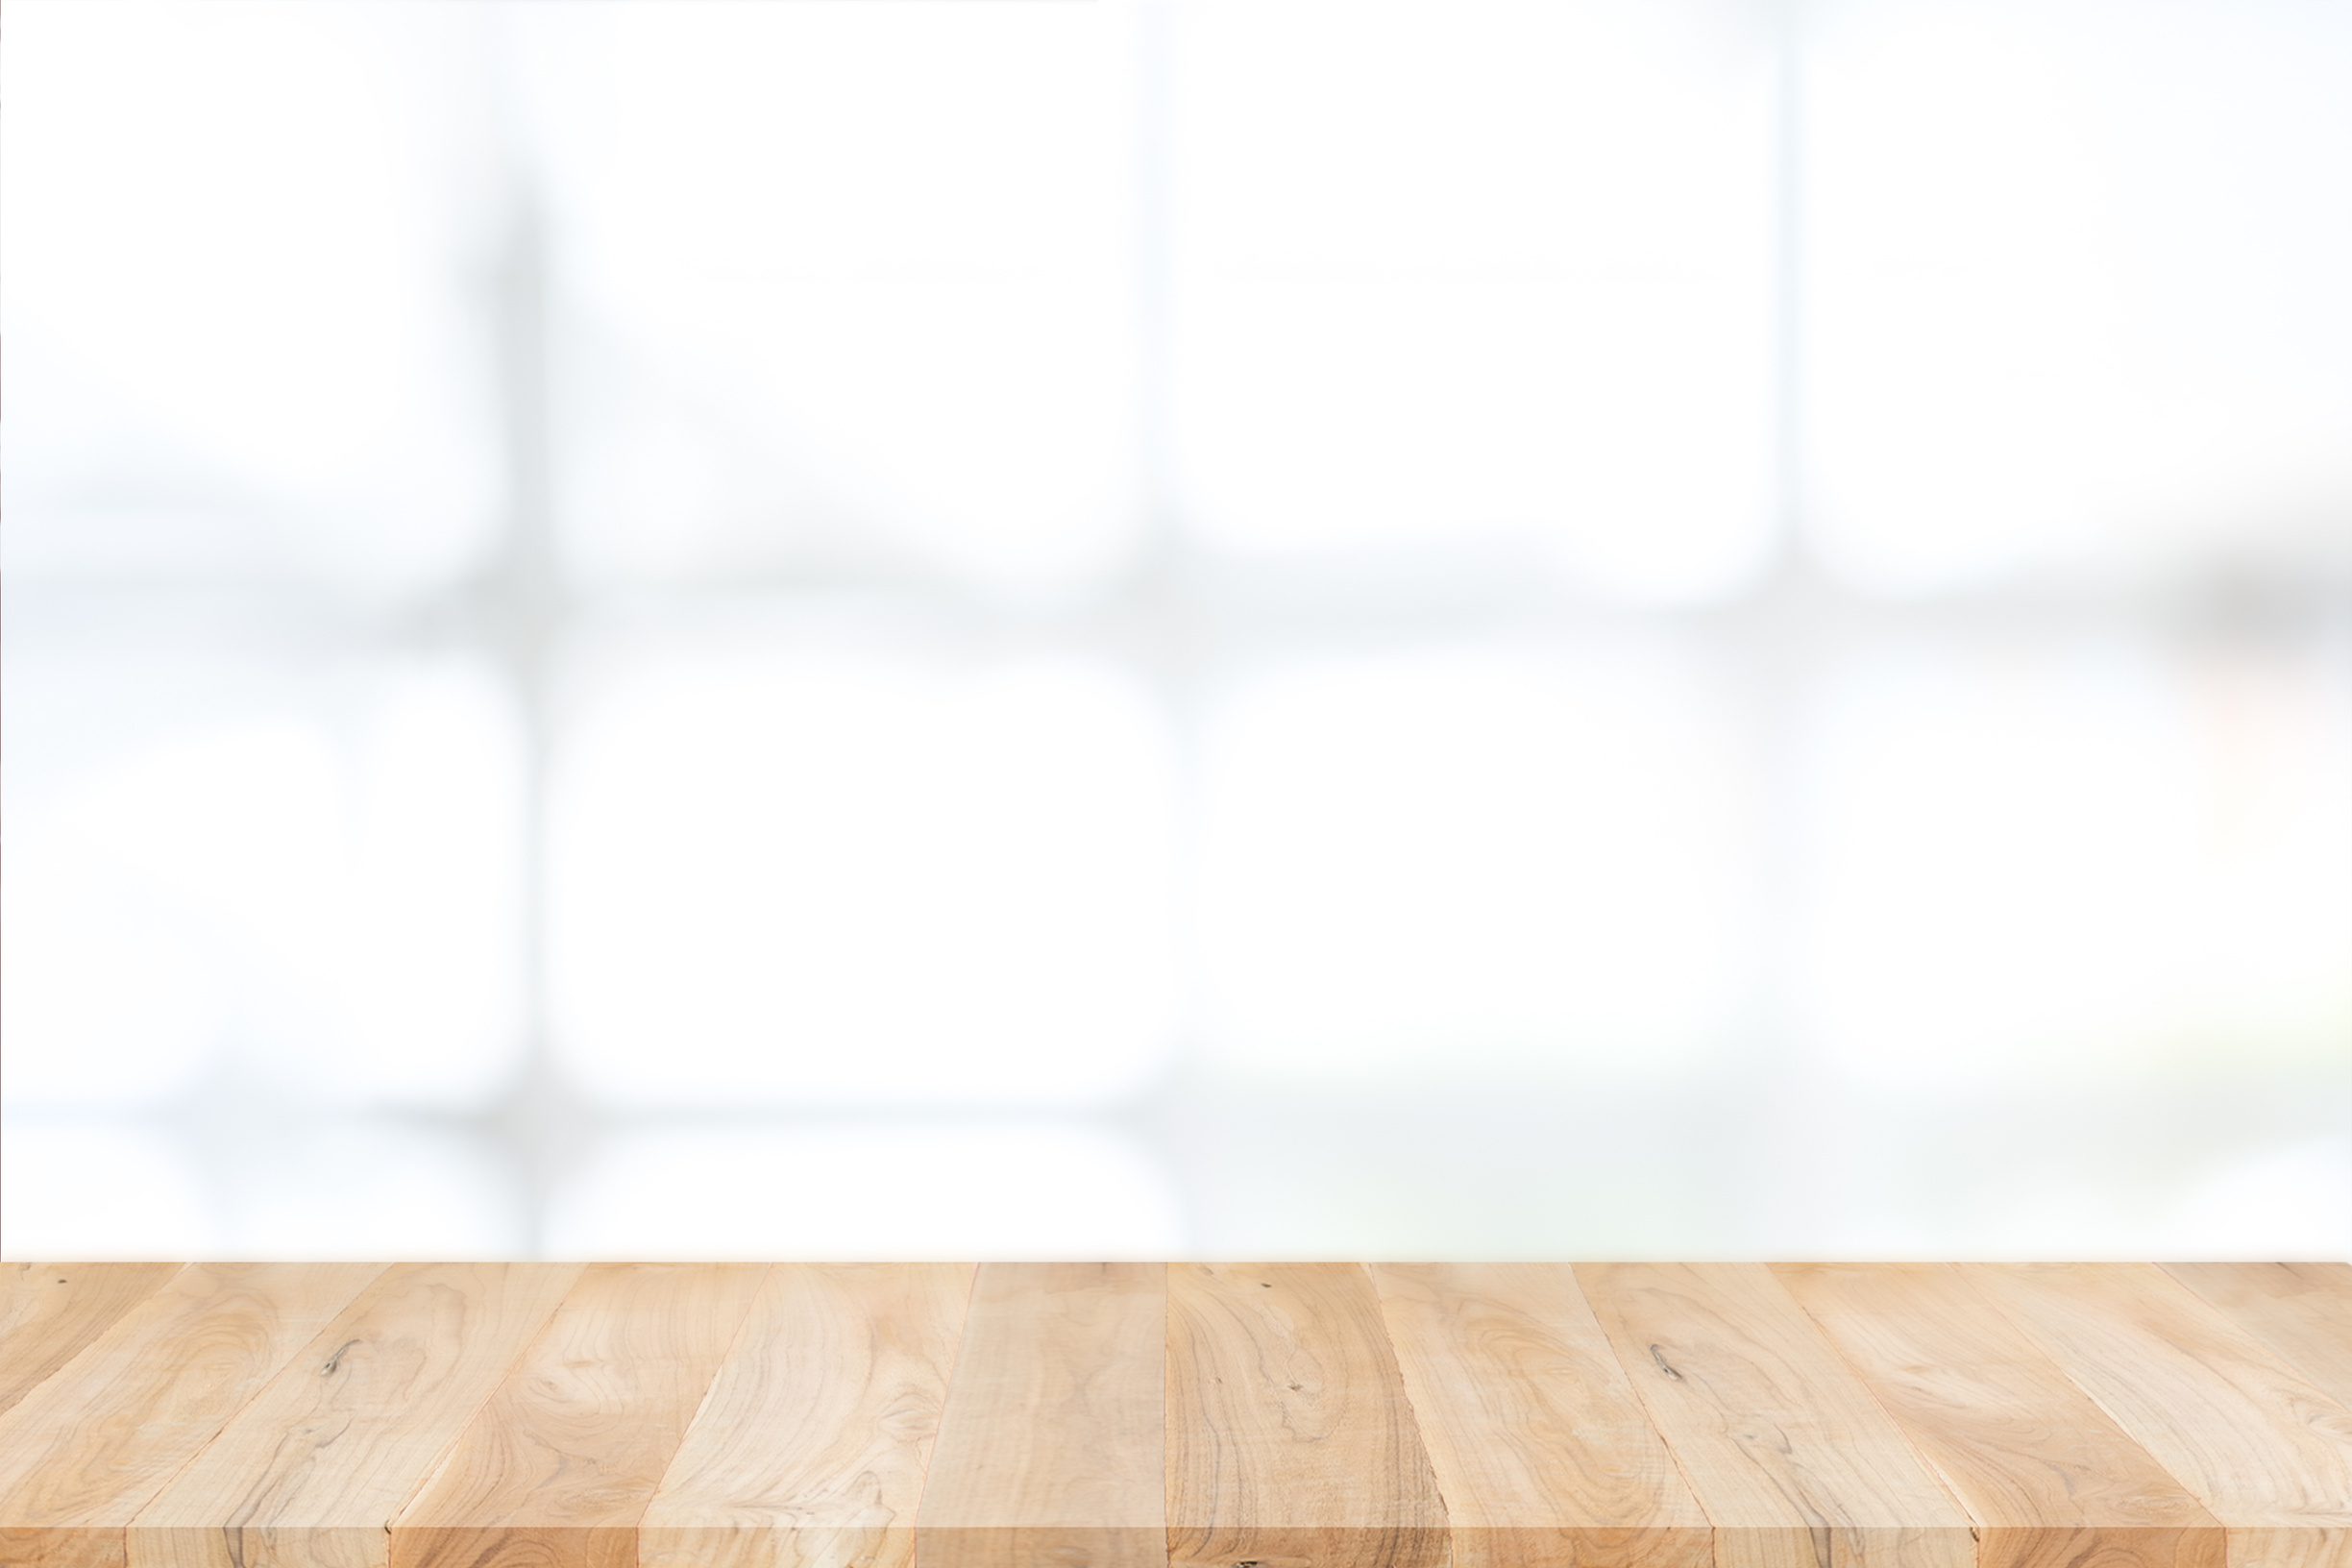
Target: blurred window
(1195, 623)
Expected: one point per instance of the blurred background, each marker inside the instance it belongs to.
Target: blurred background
(1158, 627)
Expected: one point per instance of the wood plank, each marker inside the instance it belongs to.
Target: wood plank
(311, 1473)
(2303, 1311)
(809, 1451)
(563, 1460)
(1290, 1440)
(1540, 1447)
(83, 1452)
(1072, 1415)
(1794, 1462)
(1051, 1451)
(2047, 1476)
(2262, 1446)
(48, 1312)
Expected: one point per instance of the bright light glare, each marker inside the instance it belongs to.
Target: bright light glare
(856, 285)
(2071, 863)
(270, 886)
(1468, 860)
(77, 1033)
(268, 1180)
(102, 1191)
(831, 879)
(885, 1190)
(2295, 1202)
(1222, 566)
(2074, 284)
(237, 259)
(345, 1188)
(1490, 270)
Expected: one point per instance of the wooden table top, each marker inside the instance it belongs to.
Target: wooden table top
(1118, 1415)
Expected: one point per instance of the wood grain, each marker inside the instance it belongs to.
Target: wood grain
(1540, 1444)
(2301, 1311)
(564, 1459)
(2261, 1446)
(1290, 1440)
(1051, 1452)
(48, 1312)
(1124, 1415)
(2049, 1478)
(310, 1474)
(91, 1445)
(1794, 1462)
(810, 1449)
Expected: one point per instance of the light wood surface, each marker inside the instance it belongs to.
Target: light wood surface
(310, 1473)
(811, 1446)
(562, 1462)
(2045, 1475)
(1134, 1415)
(1795, 1463)
(2301, 1311)
(1290, 1440)
(1053, 1447)
(1539, 1441)
(50, 1310)
(2259, 1445)
(92, 1444)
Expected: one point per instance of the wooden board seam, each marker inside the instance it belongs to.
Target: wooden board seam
(457, 1432)
(1834, 1420)
(955, 1364)
(710, 1385)
(1870, 1389)
(261, 1385)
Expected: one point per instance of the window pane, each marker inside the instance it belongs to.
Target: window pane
(2080, 859)
(243, 250)
(94, 1191)
(311, 863)
(2075, 287)
(853, 286)
(1484, 859)
(1476, 272)
(834, 876)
